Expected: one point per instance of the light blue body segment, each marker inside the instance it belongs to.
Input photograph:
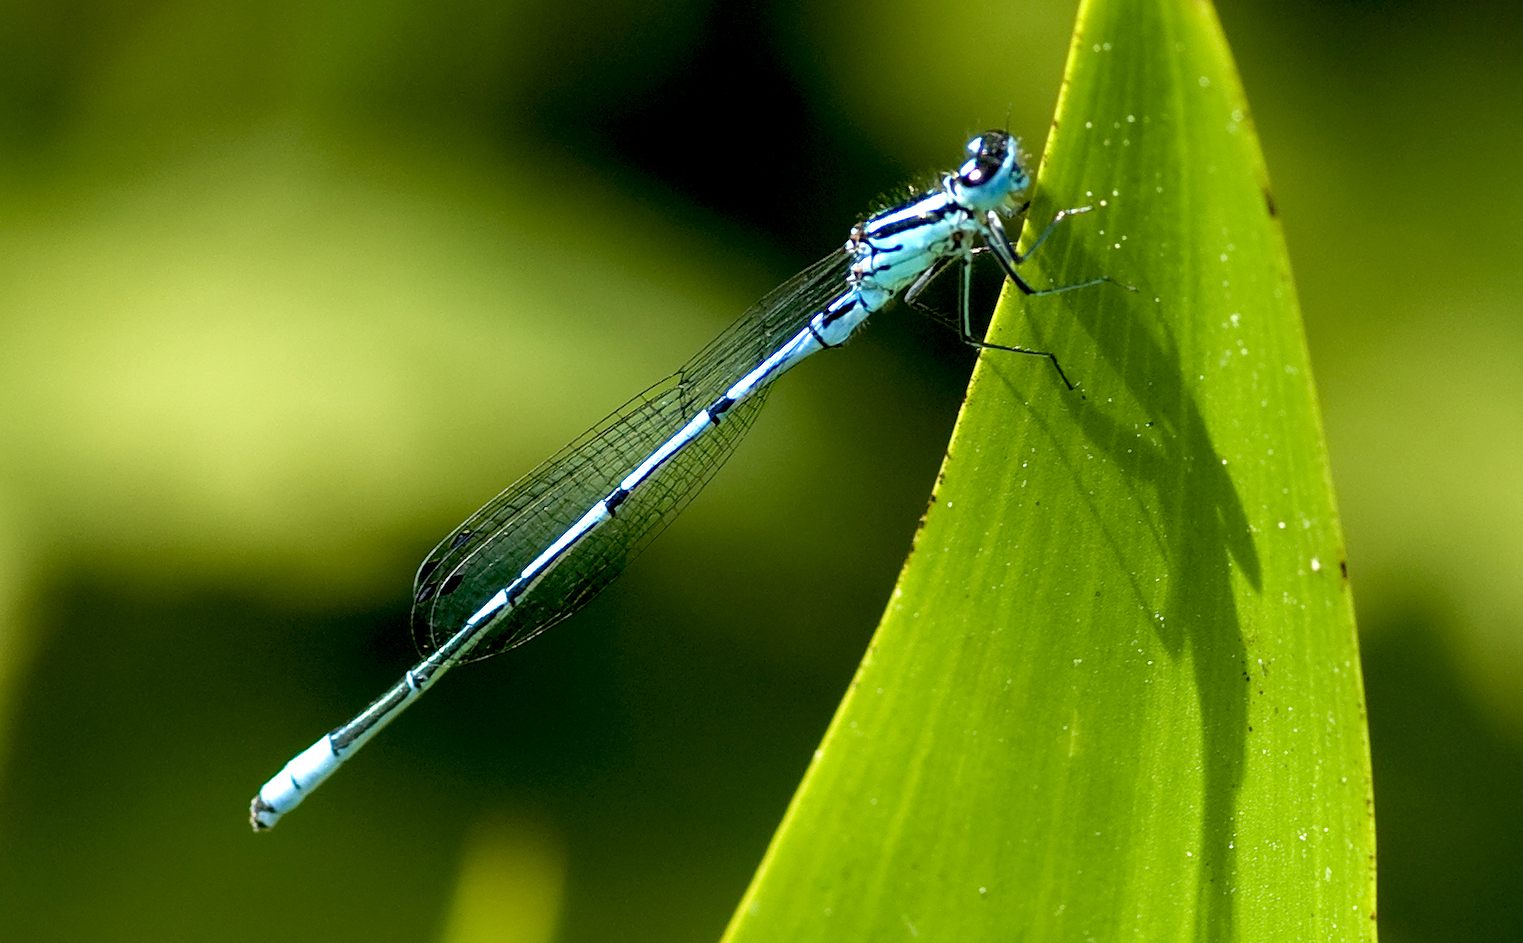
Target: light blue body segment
(571, 525)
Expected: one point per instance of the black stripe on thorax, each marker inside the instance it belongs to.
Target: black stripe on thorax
(936, 215)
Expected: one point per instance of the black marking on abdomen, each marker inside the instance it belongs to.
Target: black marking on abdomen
(831, 316)
(817, 336)
(719, 407)
(615, 498)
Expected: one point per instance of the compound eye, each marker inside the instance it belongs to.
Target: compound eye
(992, 145)
(977, 172)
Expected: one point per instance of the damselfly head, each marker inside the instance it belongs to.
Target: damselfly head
(991, 174)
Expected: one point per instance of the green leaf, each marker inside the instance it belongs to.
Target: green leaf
(1116, 693)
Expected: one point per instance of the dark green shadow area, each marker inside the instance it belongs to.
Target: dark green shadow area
(1447, 786)
(1175, 480)
(1205, 531)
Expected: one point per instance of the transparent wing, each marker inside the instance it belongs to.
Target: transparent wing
(490, 548)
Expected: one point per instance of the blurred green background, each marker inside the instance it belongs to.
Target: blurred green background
(287, 290)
